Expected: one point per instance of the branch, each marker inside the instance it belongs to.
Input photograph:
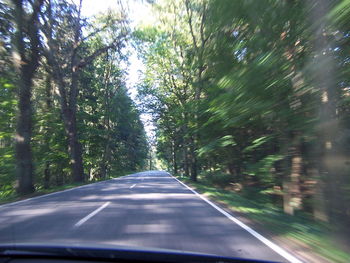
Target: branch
(98, 30)
(33, 32)
(189, 13)
(87, 60)
(57, 74)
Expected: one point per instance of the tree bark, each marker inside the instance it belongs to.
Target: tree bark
(74, 146)
(26, 60)
(24, 157)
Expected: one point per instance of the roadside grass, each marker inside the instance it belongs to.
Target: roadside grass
(10, 195)
(298, 228)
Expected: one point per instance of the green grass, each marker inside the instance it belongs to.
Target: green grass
(299, 228)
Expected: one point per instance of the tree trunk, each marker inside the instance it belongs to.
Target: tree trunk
(26, 61)
(193, 148)
(193, 161)
(59, 178)
(107, 96)
(287, 198)
(175, 164)
(68, 111)
(74, 146)
(186, 162)
(23, 136)
(47, 175)
(105, 159)
(332, 164)
(295, 176)
(319, 200)
(194, 173)
(292, 198)
(174, 158)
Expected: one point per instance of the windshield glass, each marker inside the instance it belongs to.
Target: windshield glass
(208, 126)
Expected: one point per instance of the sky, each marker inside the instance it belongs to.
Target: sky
(138, 12)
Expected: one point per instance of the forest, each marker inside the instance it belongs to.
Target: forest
(250, 97)
(254, 97)
(65, 113)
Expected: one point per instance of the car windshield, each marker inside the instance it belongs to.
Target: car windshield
(218, 127)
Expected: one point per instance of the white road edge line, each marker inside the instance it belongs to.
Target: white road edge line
(132, 186)
(267, 242)
(83, 220)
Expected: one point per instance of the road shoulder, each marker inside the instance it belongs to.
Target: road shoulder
(293, 246)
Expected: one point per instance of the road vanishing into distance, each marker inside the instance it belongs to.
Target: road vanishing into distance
(148, 209)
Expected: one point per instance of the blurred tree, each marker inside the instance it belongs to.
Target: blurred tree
(80, 109)
(25, 53)
(257, 90)
(63, 55)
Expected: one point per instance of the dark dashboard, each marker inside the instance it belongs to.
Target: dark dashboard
(64, 254)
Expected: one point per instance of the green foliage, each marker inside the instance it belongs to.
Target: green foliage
(263, 169)
(218, 179)
(256, 143)
(215, 144)
(111, 131)
(254, 93)
(8, 104)
(257, 93)
(108, 122)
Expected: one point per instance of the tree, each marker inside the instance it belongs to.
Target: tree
(26, 43)
(81, 119)
(254, 93)
(66, 67)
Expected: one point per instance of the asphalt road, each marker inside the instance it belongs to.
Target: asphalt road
(148, 209)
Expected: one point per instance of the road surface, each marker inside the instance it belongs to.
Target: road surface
(148, 209)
